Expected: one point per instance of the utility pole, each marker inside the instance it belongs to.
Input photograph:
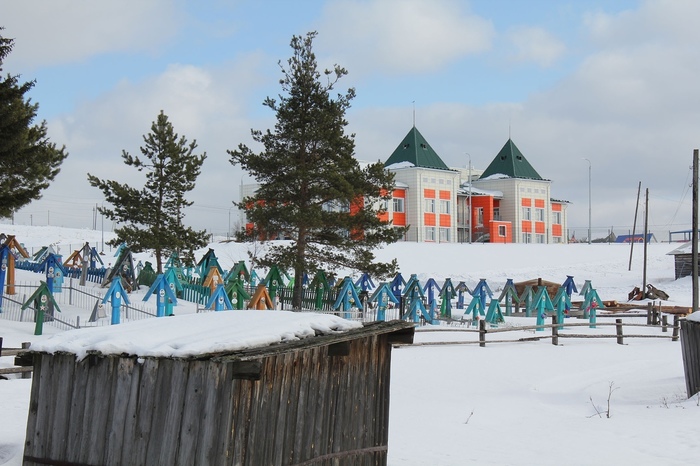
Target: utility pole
(469, 196)
(646, 229)
(634, 225)
(589, 200)
(695, 231)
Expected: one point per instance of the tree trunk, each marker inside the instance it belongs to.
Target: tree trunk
(299, 271)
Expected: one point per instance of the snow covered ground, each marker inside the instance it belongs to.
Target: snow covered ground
(524, 403)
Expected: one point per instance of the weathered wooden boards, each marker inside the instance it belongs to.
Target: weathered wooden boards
(321, 401)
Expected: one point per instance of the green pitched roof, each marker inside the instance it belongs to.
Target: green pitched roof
(512, 163)
(416, 150)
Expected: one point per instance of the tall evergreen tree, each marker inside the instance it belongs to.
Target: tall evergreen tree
(311, 188)
(28, 161)
(152, 216)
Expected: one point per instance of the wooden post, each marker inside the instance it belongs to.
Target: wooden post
(649, 310)
(676, 327)
(618, 328)
(26, 375)
(482, 333)
(664, 323)
(555, 330)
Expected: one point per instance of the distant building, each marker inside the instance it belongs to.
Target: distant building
(509, 202)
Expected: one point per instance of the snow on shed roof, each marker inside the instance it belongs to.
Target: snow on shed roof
(196, 334)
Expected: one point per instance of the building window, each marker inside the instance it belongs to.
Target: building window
(444, 207)
(479, 215)
(444, 235)
(502, 231)
(556, 218)
(430, 233)
(527, 238)
(556, 239)
(539, 215)
(527, 213)
(398, 204)
(430, 205)
(496, 213)
(540, 239)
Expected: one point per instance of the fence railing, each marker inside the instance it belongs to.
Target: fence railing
(82, 297)
(555, 327)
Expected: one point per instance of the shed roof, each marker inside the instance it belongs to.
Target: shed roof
(415, 150)
(207, 335)
(512, 163)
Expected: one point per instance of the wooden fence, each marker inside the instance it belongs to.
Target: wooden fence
(690, 344)
(555, 334)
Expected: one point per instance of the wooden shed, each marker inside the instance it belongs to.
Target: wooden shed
(683, 260)
(317, 398)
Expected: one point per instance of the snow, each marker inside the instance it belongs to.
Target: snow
(399, 165)
(195, 334)
(525, 403)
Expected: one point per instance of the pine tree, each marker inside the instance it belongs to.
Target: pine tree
(311, 188)
(28, 161)
(152, 217)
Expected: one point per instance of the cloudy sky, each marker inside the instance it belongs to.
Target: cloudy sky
(614, 82)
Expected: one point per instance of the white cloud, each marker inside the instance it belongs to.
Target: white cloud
(211, 105)
(69, 31)
(399, 36)
(534, 44)
(668, 21)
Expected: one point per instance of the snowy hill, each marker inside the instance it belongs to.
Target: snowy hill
(525, 403)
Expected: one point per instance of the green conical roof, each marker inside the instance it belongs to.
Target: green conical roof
(416, 150)
(512, 163)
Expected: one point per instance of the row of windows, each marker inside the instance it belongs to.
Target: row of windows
(539, 215)
(443, 232)
(437, 181)
(541, 239)
(430, 206)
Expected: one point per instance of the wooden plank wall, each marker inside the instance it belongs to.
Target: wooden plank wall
(690, 346)
(323, 405)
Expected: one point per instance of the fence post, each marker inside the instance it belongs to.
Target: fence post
(482, 333)
(676, 327)
(77, 321)
(664, 323)
(649, 311)
(26, 375)
(618, 329)
(555, 331)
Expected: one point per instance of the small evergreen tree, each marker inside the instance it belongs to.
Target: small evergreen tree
(311, 188)
(28, 161)
(151, 217)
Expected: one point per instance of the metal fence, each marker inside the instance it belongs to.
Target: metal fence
(82, 297)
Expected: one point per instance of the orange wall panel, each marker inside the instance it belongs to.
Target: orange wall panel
(400, 219)
(429, 219)
(429, 193)
(445, 220)
(445, 195)
(539, 227)
(556, 207)
(526, 202)
(539, 203)
(527, 227)
(556, 230)
(400, 193)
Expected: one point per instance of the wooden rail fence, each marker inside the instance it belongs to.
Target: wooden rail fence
(555, 326)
